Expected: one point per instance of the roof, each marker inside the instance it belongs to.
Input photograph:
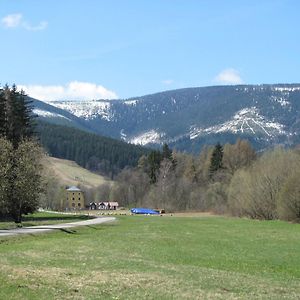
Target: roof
(73, 189)
(110, 203)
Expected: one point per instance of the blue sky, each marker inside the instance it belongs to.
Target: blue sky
(86, 49)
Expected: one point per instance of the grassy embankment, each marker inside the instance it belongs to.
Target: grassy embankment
(70, 173)
(141, 257)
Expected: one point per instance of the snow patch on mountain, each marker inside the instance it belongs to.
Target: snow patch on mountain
(247, 120)
(281, 100)
(131, 102)
(87, 109)
(286, 89)
(48, 114)
(123, 135)
(149, 137)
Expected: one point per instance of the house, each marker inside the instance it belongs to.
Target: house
(108, 205)
(93, 206)
(75, 198)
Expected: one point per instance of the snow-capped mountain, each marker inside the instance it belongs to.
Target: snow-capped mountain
(188, 118)
(86, 109)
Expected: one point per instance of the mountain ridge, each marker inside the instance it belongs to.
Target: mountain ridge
(266, 114)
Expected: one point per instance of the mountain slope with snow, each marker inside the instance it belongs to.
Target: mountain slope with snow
(187, 118)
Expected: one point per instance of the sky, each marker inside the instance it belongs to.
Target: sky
(108, 49)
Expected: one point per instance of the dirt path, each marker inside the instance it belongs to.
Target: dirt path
(46, 228)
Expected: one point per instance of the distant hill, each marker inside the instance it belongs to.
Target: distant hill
(90, 151)
(69, 173)
(266, 115)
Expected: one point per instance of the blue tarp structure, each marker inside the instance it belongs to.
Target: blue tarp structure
(144, 211)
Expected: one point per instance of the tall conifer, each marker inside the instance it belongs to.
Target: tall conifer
(216, 159)
(2, 113)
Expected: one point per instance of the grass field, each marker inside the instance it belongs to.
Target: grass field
(43, 218)
(140, 257)
(71, 173)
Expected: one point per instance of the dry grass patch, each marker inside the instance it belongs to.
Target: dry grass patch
(70, 173)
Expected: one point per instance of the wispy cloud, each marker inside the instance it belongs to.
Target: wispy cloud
(41, 26)
(12, 21)
(168, 81)
(74, 90)
(228, 76)
(17, 21)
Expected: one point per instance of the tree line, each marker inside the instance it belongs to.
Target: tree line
(20, 169)
(226, 179)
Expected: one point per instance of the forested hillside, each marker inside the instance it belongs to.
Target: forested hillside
(91, 151)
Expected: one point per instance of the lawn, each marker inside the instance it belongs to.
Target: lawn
(144, 257)
(43, 218)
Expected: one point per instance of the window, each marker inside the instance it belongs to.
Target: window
(79, 199)
(73, 199)
(79, 204)
(73, 204)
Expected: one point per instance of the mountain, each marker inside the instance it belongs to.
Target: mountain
(55, 115)
(266, 115)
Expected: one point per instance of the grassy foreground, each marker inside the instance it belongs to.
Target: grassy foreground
(141, 257)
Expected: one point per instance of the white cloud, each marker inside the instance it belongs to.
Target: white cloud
(74, 90)
(16, 20)
(11, 21)
(228, 76)
(168, 81)
(41, 26)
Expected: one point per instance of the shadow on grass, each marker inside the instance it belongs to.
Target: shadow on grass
(68, 231)
(55, 218)
(94, 227)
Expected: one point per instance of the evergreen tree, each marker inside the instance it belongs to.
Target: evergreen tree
(166, 152)
(154, 159)
(16, 117)
(2, 113)
(216, 159)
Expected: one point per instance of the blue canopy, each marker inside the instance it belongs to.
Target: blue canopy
(144, 211)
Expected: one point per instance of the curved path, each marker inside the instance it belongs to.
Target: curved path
(47, 228)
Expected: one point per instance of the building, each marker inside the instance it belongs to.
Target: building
(75, 198)
(108, 205)
(93, 206)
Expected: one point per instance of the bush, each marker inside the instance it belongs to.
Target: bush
(289, 199)
(254, 191)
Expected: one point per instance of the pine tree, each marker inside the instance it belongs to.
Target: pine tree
(17, 114)
(166, 152)
(154, 159)
(216, 159)
(2, 113)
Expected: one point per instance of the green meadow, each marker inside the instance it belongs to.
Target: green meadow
(146, 257)
(43, 218)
